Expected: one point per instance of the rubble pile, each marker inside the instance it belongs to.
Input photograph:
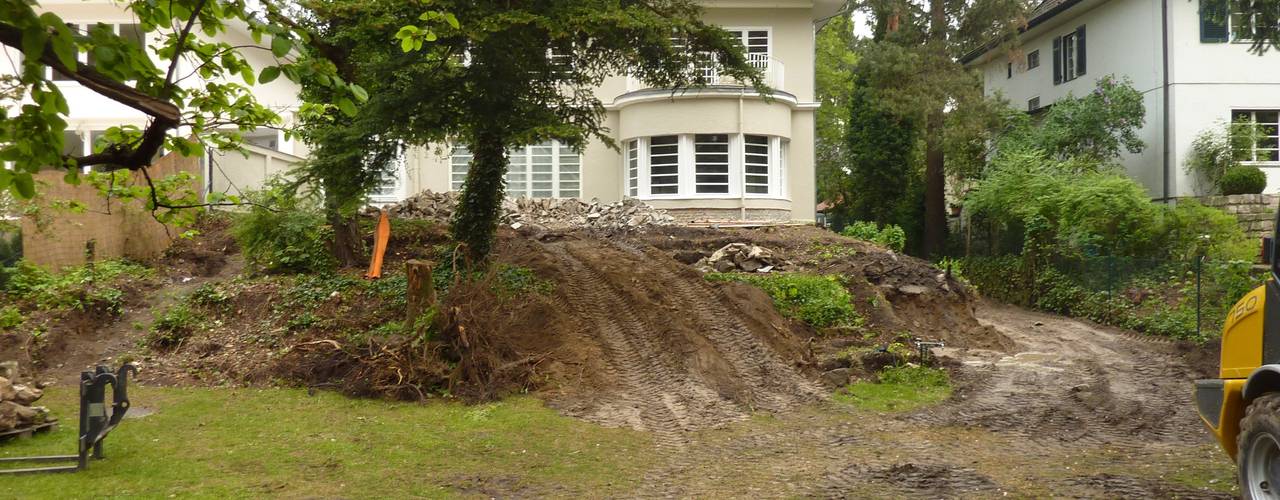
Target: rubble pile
(16, 400)
(742, 257)
(568, 213)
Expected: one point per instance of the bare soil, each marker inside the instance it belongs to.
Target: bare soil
(632, 336)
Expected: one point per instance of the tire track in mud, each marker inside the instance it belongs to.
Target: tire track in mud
(1075, 384)
(655, 397)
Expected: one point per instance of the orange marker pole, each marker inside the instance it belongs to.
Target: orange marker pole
(381, 235)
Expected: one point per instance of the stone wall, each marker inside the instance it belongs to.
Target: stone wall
(703, 215)
(1256, 212)
(55, 237)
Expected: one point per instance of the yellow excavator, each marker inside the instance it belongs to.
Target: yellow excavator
(1242, 406)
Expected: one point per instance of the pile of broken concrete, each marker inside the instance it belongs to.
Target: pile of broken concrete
(743, 257)
(548, 213)
(17, 410)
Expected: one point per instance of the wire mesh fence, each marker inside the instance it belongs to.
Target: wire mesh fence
(1181, 298)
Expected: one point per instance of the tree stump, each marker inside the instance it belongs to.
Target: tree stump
(421, 294)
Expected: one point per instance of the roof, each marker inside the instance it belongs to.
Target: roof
(1039, 15)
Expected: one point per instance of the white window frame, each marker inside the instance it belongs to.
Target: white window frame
(397, 191)
(742, 33)
(631, 167)
(1233, 14)
(1253, 149)
(524, 154)
(686, 174)
(1069, 46)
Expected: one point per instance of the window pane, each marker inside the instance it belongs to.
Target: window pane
(72, 143)
(664, 165)
(458, 163)
(712, 158)
(633, 168)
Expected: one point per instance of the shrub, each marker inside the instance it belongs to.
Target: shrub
(10, 317)
(172, 326)
(1243, 180)
(284, 233)
(67, 290)
(820, 301)
(890, 236)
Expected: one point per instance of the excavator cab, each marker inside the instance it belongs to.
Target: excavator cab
(1242, 406)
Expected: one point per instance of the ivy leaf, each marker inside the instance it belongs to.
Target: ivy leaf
(347, 107)
(269, 74)
(280, 46)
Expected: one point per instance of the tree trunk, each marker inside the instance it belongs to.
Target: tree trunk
(935, 195)
(346, 245)
(477, 218)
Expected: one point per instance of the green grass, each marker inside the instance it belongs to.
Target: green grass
(901, 388)
(244, 443)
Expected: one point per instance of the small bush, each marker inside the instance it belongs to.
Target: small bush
(209, 295)
(820, 301)
(890, 236)
(173, 326)
(79, 287)
(1243, 180)
(10, 317)
(284, 233)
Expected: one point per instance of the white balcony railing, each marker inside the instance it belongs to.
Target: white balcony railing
(709, 73)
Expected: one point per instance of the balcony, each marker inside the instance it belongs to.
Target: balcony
(709, 74)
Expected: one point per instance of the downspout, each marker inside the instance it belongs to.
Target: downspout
(1164, 46)
(208, 178)
(742, 159)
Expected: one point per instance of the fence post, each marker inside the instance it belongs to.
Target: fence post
(1199, 271)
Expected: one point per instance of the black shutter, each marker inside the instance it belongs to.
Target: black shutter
(1057, 60)
(1213, 21)
(1080, 45)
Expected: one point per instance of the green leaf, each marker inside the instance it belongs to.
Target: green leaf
(280, 46)
(269, 74)
(347, 107)
(361, 94)
(452, 20)
(72, 177)
(406, 44)
(33, 39)
(65, 48)
(104, 54)
(25, 185)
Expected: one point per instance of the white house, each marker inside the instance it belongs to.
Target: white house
(1194, 72)
(269, 151)
(722, 152)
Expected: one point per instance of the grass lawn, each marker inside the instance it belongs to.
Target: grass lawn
(902, 388)
(283, 443)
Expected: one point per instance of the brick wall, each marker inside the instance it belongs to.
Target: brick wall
(1256, 212)
(54, 237)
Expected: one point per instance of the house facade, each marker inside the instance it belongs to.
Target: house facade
(1189, 59)
(719, 153)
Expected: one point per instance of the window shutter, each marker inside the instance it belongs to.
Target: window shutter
(1080, 46)
(1213, 21)
(1057, 60)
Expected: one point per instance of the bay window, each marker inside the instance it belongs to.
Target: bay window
(705, 166)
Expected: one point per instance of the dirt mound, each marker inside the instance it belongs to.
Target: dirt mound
(913, 481)
(663, 350)
(1113, 486)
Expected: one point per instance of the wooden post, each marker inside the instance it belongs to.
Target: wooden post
(421, 294)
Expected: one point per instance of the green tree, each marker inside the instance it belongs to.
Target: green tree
(881, 149)
(834, 87)
(523, 73)
(183, 118)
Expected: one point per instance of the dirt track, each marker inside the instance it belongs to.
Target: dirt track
(1076, 411)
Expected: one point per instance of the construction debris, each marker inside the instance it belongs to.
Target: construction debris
(742, 257)
(16, 410)
(548, 213)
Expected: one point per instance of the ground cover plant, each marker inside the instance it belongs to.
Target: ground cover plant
(820, 301)
(898, 389)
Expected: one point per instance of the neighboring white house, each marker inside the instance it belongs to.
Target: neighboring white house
(268, 150)
(1194, 72)
(722, 152)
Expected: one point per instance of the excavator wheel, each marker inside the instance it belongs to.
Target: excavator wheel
(1259, 449)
